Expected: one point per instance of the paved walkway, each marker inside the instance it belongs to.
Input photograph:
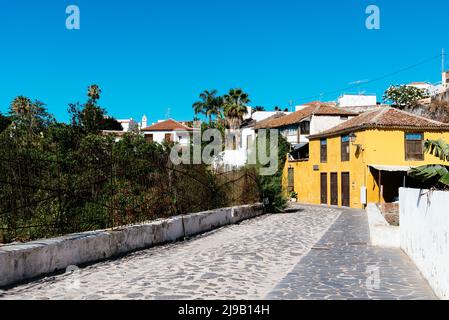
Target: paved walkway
(343, 266)
(311, 253)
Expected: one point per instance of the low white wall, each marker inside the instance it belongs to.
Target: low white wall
(424, 220)
(382, 234)
(20, 262)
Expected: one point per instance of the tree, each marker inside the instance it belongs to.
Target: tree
(4, 122)
(259, 108)
(271, 186)
(93, 92)
(210, 105)
(21, 105)
(436, 174)
(29, 115)
(235, 107)
(110, 124)
(403, 96)
(89, 117)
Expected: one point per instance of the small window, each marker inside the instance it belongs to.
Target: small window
(323, 150)
(344, 118)
(345, 148)
(149, 138)
(305, 127)
(168, 137)
(414, 150)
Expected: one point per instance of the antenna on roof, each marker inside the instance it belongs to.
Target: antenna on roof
(168, 113)
(357, 84)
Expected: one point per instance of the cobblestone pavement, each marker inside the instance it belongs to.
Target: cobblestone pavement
(237, 262)
(342, 266)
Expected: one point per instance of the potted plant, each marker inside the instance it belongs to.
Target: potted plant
(293, 196)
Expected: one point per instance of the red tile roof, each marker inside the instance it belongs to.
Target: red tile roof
(318, 109)
(168, 125)
(384, 118)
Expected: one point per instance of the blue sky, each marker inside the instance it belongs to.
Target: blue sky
(156, 56)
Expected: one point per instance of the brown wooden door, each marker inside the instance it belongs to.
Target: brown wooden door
(324, 188)
(334, 189)
(345, 191)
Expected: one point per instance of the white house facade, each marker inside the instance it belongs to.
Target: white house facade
(168, 131)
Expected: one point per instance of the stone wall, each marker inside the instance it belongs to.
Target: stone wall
(424, 231)
(19, 262)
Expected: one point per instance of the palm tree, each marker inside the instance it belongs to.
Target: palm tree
(210, 104)
(434, 172)
(235, 103)
(21, 105)
(93, 92)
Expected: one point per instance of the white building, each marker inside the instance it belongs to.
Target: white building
(427, 87)
(169, 131)
(128, 124)
(356, 100)
(236, 156)
(296, 127)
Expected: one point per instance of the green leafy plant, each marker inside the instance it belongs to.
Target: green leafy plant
(294, 195)
(402, 96)
(270, 187)
(435, 174)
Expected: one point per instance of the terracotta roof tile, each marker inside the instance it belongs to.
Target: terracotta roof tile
(385, 118)
(318, 108)
(168, 125)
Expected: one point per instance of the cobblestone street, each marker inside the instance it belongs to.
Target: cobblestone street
(308, 253)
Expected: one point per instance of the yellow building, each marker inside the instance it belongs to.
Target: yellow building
(363, 160)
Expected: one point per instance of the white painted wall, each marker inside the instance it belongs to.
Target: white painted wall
(424, 231)
(24, 261)
(381, 233)
(128, 124)
(354, 100)
(262, 115)
(181, 137)
(323, 123)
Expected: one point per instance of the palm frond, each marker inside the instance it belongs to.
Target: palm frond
(438, 148)
(429, 172)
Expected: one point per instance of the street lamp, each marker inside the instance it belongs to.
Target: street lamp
(352, 137)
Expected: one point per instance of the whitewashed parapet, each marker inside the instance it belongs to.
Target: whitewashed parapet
(382, 234)
(424, 231)
(20, 262)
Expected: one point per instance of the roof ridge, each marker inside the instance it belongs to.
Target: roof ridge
(380, 114)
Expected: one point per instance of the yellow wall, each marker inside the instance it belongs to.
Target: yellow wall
(380, 147)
